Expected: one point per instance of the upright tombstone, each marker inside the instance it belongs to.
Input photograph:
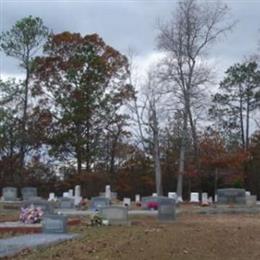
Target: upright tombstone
(9, 193)
(126, 202)
(108, 192)
(70, 193)
(115, 215)
(77, 197)
(66, 203)
(204, 198)
(251, 201)
(154, 195)
(77, 191)
(97, 203)
(231, 196)
(172, 195)
(54, 224)
(194, 197)
(137, 198)
(52, 197)
(167, 211)
(29, 193)
(46, 207)
(65, 194)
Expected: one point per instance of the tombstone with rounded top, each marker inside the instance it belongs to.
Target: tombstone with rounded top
(97, 203)
(9, 193)
(29, 192)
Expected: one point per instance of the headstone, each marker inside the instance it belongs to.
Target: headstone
(248, 193)
(54, 224)
(231, 196)
(210, 200)
(251, 201)
(115, 215)
(77, 191)
(216, 198)
(108, 192)
(137, 198)
(194, 197)
(70, 193)
(147, 202)
(97, 203)
(52, 197)
(126, 202)
(9, 193)
(167, 212)
(204, 198)
(66, 203)
(39, 203)
(29, 192)
(154, 195)
(65, 195)
(172, 195)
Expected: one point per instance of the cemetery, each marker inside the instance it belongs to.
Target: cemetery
(129, 130)
(58, 221)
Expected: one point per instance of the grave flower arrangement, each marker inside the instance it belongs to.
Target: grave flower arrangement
(31, 215)
(153, 205)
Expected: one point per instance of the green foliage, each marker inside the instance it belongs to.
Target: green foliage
(23, 40)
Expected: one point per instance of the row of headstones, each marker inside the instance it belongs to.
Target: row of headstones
(10, 193)
(68, 200)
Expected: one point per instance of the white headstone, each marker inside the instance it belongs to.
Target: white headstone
(127, 202)
(108, 192)
(248, 193)
(154, 194)
(65, 195)
(172, 195)
(137, 198)
(70, 193)
(216, 198)
(52, 197)
(77, 191)
(210, 200)
(204, 198)
(194, 197)
(77, 200)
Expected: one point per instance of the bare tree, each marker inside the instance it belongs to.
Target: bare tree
(185, 38)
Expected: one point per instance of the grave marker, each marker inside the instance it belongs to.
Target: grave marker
(9, 193)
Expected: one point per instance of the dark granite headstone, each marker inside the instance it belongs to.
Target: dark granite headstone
(97, 203)
(54, 224)
(9, 193)
(231, 196)
(29, 192)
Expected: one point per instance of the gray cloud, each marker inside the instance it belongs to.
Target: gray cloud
(124, 24)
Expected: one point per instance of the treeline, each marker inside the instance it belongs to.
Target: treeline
(82, 116)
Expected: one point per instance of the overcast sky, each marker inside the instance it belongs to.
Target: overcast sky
(128, 23)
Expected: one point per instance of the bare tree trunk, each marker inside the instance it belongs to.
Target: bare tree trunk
(182, 156)
(24, 120)
(156, 154)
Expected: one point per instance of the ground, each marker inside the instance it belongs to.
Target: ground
(191, 236)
